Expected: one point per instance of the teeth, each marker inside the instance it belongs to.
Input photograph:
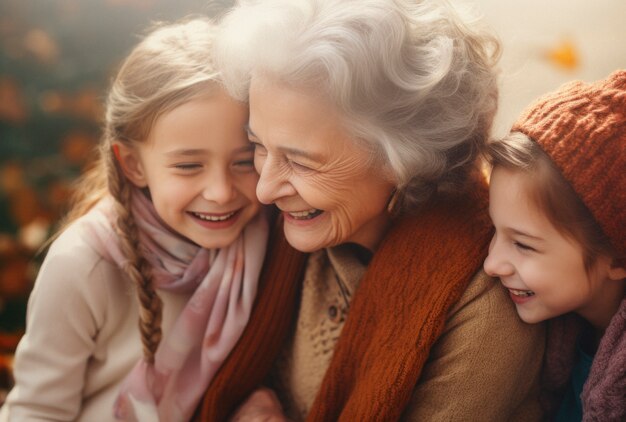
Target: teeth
(522, 293)
(302, 215)
(214, 217)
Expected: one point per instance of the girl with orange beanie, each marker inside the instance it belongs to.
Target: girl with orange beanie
(558, 204)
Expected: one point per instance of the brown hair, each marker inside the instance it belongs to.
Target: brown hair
(552, 194)
(169, 67)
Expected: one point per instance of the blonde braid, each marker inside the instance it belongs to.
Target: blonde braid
(137, 267)
(171, 66)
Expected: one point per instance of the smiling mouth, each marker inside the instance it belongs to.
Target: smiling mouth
(214, 217)
(522, 293)
(305, 215)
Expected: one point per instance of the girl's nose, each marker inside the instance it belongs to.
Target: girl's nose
(497, 264)
(220, 188)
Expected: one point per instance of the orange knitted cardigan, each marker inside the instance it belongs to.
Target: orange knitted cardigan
(418, 273)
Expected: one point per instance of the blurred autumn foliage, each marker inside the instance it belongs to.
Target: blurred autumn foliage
(56, 60)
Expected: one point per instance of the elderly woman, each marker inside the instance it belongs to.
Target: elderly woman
(368, 117)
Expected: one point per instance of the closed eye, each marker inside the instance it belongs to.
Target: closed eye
(299, 167)
(249, 162)
(187, 166)
(524, 247)
(243, 165)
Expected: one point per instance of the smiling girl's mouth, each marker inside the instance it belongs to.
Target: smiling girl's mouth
(213, 217)
(522, 293)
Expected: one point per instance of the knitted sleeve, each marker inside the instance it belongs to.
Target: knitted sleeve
(485, 366)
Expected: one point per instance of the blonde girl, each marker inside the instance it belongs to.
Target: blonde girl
(558, 203)
(166, 232)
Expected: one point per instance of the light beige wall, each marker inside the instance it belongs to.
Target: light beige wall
(532, 29)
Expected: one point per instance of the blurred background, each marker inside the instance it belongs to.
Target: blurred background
(56, 61)
(57, 58)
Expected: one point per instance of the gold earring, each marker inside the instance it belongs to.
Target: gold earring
(394, 198)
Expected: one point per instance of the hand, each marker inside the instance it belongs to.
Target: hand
(261, 406)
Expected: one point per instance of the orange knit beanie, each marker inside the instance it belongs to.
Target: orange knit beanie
(582, 127)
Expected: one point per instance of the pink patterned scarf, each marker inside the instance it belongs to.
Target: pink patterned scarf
(223, 282)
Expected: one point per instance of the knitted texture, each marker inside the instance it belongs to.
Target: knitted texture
(604, 393)
(305, 358)
(582, 127)
(420, 271)
(271, 319)
(399, 310)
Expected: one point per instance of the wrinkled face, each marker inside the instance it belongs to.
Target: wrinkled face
(322, 180)
(198, 166)
(543, 270)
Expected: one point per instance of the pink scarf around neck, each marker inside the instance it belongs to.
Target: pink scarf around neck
(223, 282)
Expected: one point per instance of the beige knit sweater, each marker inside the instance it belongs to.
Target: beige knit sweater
(484, 367)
